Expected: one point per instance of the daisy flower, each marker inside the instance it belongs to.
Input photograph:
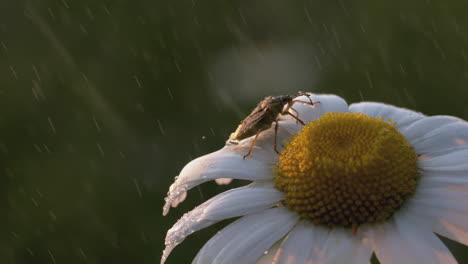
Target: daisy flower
(357, 179)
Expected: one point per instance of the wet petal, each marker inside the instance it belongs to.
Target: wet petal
(241, 201)
(248, 238)
(232, 203)
(271, 255)
(403, 117)
(229, 163)
(327, 103)
(224, 163)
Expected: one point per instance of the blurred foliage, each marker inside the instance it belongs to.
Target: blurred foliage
(102, 102)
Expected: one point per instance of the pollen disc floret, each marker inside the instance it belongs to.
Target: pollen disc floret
(347, 169)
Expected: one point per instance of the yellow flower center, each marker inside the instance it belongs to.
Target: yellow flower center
(347, 169)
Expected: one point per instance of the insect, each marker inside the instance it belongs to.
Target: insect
(264, 114)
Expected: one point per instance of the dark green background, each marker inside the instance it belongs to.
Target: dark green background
(103, 102)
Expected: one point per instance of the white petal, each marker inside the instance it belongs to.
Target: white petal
(439, 203)
(427, 247)
(272, 254)
(343, 246)
(224, 163)
(448, 225)
(401, 241)
(447, 218)
(303, 245)
(388, 244)
(223, 181)
(309, 244)
(246, 240)
(403, 117)
(456, 181)
(241, 201)
(180, 198)
(432, 220)
(456, 233)
(426, 125)
(327, 103)
(438, 135)
(232, 203)
(442, 209)
(449, 181)
(455, 161)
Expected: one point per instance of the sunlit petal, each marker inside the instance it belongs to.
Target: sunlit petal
(225, 163)
(309, 244)
(404, 241)
(403, 117)
(271, 255)
(223, 181)
(248, 238)
(232, 203)
(447, 218)
(455, 161)
(426, 125)
(438, 135)
(343, 246)
(302, 245)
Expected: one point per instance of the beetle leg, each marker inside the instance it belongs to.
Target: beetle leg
(297, 113)
(297, 119)
(252, 145)
(276, 134)
(286, 110)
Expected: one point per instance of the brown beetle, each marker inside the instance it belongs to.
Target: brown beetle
(263, 115)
